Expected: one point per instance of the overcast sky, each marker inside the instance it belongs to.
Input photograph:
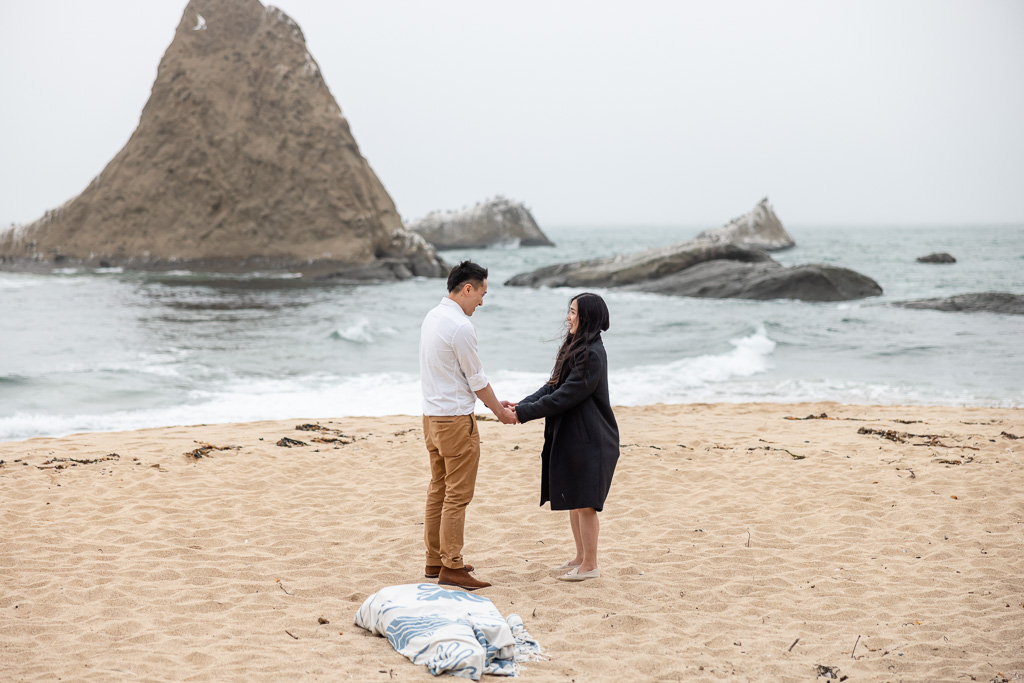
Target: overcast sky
(591, 112)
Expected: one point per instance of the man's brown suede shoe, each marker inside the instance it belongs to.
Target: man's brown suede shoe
(461, 578)
(432, 572)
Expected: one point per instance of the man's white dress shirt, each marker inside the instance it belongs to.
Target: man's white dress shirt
(450, 367)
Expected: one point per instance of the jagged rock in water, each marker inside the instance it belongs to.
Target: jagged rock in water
(241, 160)
(980, 302)
(701, 268)
(759, 229)
(495, 222)
(704, 268)
(638, 267)
(938, 257)
(729, 279)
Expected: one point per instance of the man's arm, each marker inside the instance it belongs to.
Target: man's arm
(506, 415)
(464, 344)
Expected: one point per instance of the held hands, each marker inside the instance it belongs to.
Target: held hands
(507, 415)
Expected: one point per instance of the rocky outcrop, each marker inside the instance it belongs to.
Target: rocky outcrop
(759, 229)
(639, 267)
(938, 257)
(707, 267)
(495, 222)
(728, 279)
(242, 159)
(981, 302)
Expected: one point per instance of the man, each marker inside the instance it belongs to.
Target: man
(452, 378)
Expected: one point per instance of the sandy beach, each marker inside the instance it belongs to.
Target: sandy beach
(883, 543)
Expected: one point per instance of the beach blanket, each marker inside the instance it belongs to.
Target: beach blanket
(448, 631)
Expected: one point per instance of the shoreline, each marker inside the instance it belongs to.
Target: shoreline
(486, 415)
(735, 542)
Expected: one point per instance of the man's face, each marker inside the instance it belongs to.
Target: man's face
(473, 296)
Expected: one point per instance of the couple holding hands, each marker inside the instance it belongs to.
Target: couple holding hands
(581, 438)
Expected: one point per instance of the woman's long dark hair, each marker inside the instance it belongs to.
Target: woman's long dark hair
(592, 316)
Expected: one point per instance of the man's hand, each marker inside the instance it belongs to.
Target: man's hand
(500, 409)
(509, 404)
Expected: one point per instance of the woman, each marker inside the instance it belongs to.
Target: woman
(581, 438)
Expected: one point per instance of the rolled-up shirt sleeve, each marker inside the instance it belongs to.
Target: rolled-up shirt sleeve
(464, 345)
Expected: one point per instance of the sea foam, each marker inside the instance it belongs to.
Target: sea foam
(675, 382)
(389, 393)
(362, 331)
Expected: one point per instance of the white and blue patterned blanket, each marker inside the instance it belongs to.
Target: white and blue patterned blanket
(448, 630)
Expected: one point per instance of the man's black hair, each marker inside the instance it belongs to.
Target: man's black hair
(467, 271)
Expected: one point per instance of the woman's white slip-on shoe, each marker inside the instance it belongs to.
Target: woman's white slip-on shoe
(576, 575)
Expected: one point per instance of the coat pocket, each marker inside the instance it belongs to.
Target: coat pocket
(582, 434)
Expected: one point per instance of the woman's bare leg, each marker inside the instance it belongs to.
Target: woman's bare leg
(589, 527)
(574, 522)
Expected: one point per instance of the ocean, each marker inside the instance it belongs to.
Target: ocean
(102, 350)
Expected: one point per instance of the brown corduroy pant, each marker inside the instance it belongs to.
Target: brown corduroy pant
(454, 447)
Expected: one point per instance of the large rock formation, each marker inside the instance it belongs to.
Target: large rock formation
(728, 279)
(242, 159)
(719, 264)
(638, 267)
(759, 229)
(702, 268)
(495, 222)
(981, 302)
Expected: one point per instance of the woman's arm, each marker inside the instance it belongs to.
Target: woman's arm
(570, 393)
(543, 391)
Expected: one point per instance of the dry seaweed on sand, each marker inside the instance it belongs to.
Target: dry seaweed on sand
(932, 440)
(825, 416)
(64, 463)
(1008, 435)
(312, 427)
(205, 449)
(831, 672)
(285, 442)
(955, 461)
(890, 434)
(342, 439)
(336, 436)
(770, 448)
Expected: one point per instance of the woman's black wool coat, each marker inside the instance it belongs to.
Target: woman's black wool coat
(581, 438)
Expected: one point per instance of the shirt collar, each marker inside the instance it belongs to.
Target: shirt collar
(445, 301)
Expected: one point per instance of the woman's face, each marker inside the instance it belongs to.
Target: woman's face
(574, 321)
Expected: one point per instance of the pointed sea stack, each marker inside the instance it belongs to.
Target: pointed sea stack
(242, 160)
(759, 229)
